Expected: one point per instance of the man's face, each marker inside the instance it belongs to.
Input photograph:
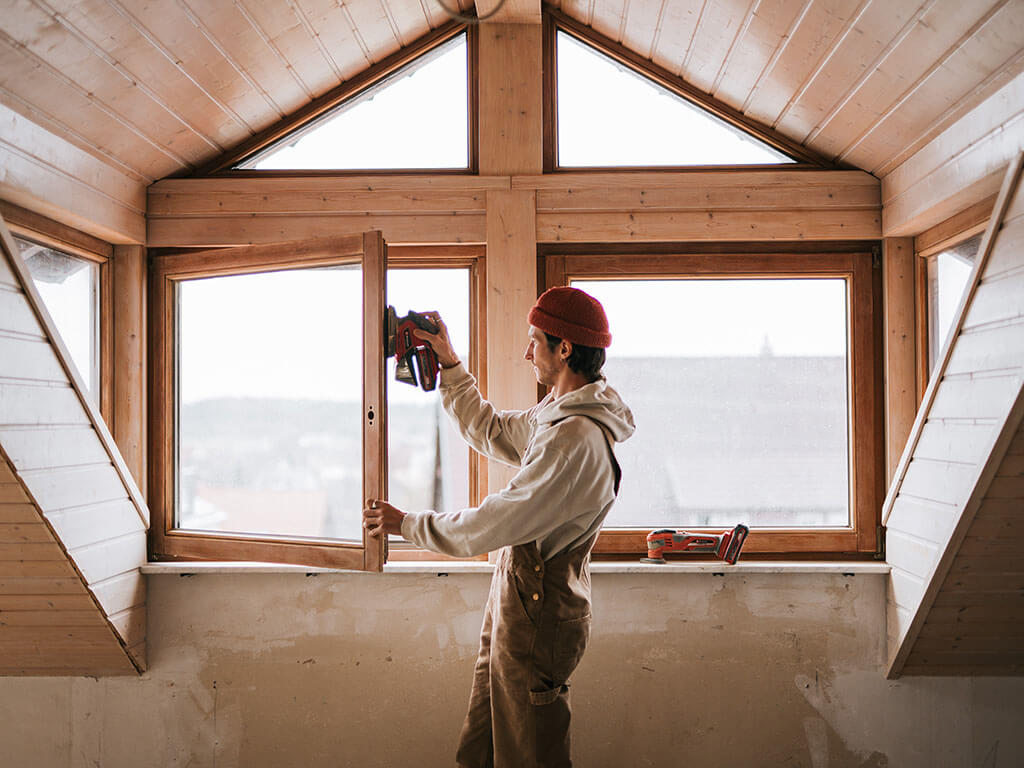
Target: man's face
(546, 363)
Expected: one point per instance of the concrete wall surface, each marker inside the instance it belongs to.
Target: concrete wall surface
(340, 669)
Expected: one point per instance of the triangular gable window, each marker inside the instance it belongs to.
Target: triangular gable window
(416, 118)
(610, 115)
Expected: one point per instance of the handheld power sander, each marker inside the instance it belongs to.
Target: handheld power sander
(725, 545)
(415, 360)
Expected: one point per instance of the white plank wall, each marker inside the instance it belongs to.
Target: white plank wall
(964, 418)
(60, 483)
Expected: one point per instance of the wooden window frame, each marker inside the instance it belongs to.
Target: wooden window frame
(859, 264)
(555, 22)
(170, 267)
(224, 165)
(957, 229)
(166, 542)
(470, 257)
(52, 234)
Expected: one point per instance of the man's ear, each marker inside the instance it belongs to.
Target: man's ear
(565, 349)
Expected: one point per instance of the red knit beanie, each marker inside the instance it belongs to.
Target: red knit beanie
(573, 315)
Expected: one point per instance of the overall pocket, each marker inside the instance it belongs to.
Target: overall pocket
(571, 638)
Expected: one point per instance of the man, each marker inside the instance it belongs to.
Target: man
(537, 619)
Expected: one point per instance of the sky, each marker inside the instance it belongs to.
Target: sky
(273, 342)
(419, 120)
(298, 333)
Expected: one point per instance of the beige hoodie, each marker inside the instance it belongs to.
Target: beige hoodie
(566, 481)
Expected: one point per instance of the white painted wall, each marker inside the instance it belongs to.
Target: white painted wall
(373, 670)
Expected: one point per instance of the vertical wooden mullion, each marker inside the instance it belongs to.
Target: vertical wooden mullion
(374, 412)
(105, 363)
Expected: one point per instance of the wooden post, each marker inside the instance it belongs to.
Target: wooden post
(511, 103)
(511, 131)
(900, 347)
(129, 390)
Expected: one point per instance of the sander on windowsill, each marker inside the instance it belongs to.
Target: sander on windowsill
(725, 545)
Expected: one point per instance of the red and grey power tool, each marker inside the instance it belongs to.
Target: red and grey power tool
(725, 545)
(415, 360)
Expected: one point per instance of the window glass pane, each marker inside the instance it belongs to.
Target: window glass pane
(947, 278)
(610, 115)
(428, 462)
(739, 390)
(270, 403)
(70, 289)
(417, 118)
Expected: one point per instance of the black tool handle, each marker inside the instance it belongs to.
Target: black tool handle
(428, 367)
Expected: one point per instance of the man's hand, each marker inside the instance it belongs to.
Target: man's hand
(380, 518)
(440, 341)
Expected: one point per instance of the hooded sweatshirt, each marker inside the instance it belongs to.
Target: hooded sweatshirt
(566, 481)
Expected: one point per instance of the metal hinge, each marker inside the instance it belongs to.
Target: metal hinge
(880, 543)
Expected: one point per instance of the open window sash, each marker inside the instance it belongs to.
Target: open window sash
(168, 274)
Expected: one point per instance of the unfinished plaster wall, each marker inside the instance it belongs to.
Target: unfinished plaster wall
(340, 669)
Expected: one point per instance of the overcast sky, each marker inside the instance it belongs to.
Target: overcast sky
(296, 334)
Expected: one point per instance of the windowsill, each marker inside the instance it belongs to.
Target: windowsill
(597, 568)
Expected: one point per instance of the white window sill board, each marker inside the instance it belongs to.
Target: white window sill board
(597, 568)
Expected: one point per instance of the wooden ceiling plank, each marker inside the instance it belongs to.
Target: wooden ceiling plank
(932, 38)
(133, 78)
(54, 490)
(510, 11)
(314, 35)
(96, 131)
(872, 44)
(338, 34)
(741, 32)
(242, 56)
(678, 22)
(992, 84)
(608, 16)
(59, 87)
(285, 41)
(992, 47)
(186, 52)
(642, 26)
(809, 41)
(61, 129)
(410, 18)
(715, 38)
(850, 32)
(370, 19)
(759, 46)
(82, 66)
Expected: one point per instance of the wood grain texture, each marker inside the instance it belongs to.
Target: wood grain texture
(129, 358)
(511, 102)
(511, 291)
(46, 174)
(900, 347)
(958, 168)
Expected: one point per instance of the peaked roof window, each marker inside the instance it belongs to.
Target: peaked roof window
(610, 115)
(416, 118)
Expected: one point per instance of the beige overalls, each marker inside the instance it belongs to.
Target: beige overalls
(536, 628)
